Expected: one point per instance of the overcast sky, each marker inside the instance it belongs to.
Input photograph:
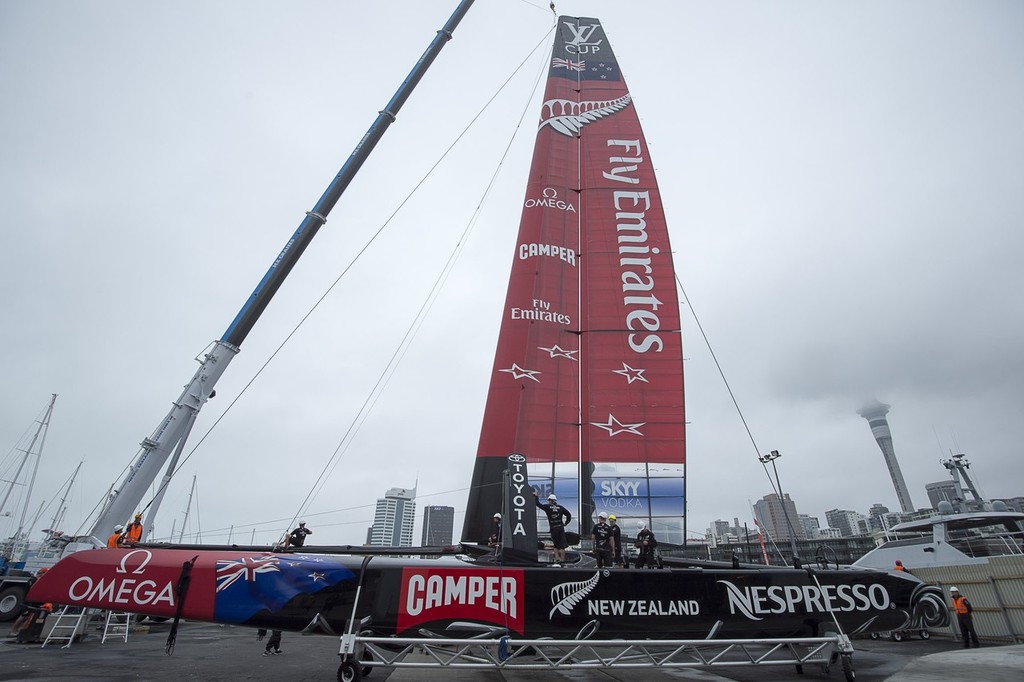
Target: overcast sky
(843, 181)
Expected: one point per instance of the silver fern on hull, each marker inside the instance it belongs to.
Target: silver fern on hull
(568, 117)
(566, 595)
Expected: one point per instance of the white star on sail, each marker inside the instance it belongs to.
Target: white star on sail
(632, 374)
(518, 372)
(557, 352)
(615, 427)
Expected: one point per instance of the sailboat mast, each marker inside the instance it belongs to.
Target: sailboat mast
(40, 435)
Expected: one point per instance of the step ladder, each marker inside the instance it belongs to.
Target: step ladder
(70, 622)
(118, 625)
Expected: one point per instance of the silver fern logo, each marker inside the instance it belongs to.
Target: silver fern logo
(568, 117)
(566, 596)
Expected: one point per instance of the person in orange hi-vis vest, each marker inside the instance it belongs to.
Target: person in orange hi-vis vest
(133, 533)
(964, 617)
(114, 541)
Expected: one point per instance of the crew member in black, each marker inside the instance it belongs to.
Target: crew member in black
(618, 559)
(273, 644)
(297, 537)
(495, 538)
(645, 544)
(558, 517)
(604, 542)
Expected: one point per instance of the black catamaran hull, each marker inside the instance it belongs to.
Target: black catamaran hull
(408, 597)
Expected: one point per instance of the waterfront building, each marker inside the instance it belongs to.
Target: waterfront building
(940, 491)
(772, 513)
(849, 523)
(438, 522)
(393, 521)
(811, 525)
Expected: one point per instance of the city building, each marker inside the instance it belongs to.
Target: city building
(875, 415)
(848, 523)
(438, 522)
(393, 521)
(772, 513)
(942, 491)
(811, 526)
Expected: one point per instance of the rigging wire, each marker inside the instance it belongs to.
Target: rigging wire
(417, 321)
(442, 278)
(721, 373)
(743, 419)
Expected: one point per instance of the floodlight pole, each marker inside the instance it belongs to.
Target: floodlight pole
(771, 457)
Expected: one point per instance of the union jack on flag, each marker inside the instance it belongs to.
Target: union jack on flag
(245, 568)
(254, 583)
(560, 63)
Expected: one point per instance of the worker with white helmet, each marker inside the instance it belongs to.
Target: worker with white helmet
(558, 518)
(645, 544)
(964, 617)
(495, 539)
(114, 541)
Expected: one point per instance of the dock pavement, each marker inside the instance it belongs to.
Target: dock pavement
(223, 653)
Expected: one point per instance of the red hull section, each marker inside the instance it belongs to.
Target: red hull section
(405, 596)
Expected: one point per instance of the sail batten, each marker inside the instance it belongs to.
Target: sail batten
(587, 381)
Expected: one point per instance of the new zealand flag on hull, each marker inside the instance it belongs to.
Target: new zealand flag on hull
(252, 584)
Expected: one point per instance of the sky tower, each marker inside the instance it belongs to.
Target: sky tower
(875, 414)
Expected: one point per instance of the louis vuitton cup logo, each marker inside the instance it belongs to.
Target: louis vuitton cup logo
(582, 39)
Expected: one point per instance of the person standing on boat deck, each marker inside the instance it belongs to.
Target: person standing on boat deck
(558, 517)
(617, 541)
(603, 542)
(645, 544)
(900, 567)
(297, 537)
(114, 541)
(495, 539)
(964, 617)
(133, 533)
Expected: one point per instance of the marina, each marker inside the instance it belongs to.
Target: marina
(585, 409)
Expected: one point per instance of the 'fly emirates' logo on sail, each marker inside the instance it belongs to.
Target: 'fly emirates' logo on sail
(459, 594)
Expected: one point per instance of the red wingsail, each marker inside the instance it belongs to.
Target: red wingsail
(588, 375)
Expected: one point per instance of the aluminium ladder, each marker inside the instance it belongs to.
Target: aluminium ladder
(118, 624)
(67, 626)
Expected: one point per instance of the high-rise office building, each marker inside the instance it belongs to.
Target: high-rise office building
(394, 518)
(942, 490)
(875, 414)
(811, 525)
(772, 513)
(438, 522)
(849, 523)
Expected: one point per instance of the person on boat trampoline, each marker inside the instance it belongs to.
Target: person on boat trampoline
(558, 517)
(645, 544)
(297, 537)
(619, 558)
(604, 542)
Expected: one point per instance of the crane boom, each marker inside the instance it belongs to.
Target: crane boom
(174, 428)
